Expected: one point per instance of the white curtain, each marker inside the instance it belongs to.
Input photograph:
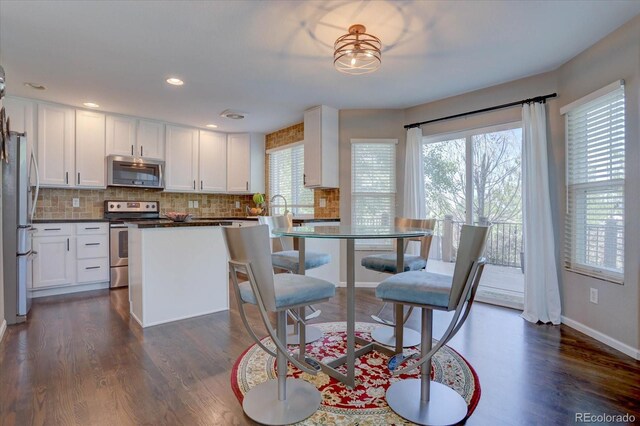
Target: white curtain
(414, 206)
(541, 290)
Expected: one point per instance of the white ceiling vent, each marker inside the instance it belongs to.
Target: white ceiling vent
(234, 115)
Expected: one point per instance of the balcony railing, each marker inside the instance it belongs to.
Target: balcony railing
(504, 243)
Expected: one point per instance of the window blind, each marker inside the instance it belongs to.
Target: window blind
(373, 188)
(594, 228)
(286, 169)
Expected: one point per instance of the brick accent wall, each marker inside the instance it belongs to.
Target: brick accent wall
(58, 203)
(291, 135)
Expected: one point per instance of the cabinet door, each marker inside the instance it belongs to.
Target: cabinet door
(238, 163)
(150, 139)
(121, 135)
(312, 147)
(56, 145)
(213, 162)
(182, 159)
(21, 112)
(54, 263)
(90, 147)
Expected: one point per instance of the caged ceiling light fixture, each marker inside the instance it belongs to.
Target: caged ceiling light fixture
(357, 52)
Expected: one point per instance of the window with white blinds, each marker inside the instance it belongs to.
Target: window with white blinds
(373, 186)
(594, 229)
(286, 170)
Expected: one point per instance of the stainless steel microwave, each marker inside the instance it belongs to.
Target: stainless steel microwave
(135, 172)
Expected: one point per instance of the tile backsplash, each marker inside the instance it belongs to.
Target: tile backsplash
(58, 203)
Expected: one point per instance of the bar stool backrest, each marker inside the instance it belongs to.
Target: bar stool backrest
(425, 242)
(470, 249)
(250, 245)
(275, 222)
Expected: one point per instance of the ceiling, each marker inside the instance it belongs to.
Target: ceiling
(273, 59)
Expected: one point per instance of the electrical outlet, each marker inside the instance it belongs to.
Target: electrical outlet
(76, 202)
(237, 204)
(593, 295)
(190, 204)
(323, 202)
(195, 204)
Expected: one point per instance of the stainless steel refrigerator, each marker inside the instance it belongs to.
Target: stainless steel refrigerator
(18, 206)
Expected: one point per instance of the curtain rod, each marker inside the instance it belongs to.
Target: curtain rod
(478, 111)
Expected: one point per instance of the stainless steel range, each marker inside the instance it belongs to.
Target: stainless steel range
(118, 212)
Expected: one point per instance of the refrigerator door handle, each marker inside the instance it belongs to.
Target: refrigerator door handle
(34, 162)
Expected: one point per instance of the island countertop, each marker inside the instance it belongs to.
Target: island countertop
(166, 223)
(296, 220)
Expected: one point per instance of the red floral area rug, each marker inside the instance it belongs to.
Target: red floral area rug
(365, 404)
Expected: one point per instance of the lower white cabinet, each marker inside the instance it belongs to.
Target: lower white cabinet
(70, 254)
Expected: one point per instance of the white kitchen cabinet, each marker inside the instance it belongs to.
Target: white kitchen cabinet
(90, 150)
(150, 139)
(182, 159)
(128, 136)
(321, 147)
(245, 163)
(54, 262)
(212, 166)
(68, 255)
(56, 145)
(22, 113)
(120, 135)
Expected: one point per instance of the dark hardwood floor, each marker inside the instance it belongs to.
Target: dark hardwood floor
(81, 360)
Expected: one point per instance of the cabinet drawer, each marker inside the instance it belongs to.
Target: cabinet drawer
(92, 228)
(53, 229)
(92, 246)
(93, 270)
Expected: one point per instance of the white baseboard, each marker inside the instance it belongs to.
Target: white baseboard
(601, 337)
(367, 284)
(3, 328)
(69, 289)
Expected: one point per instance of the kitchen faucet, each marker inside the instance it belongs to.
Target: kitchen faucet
(286, 210)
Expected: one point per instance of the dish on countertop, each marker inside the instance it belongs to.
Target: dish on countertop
(177, 216)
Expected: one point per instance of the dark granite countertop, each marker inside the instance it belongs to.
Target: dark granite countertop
(68, 220)
(165, 223)
(295, 219)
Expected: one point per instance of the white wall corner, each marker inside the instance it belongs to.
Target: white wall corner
(3, 328)
(601, 337)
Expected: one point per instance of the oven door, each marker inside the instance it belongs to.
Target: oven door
(119, 245)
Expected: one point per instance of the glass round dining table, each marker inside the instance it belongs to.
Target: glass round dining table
(350, 234)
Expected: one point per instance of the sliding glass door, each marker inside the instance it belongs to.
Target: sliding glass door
(475, 178)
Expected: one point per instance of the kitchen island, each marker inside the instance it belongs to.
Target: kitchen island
(176, 270)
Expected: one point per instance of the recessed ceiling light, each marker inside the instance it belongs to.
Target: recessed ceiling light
(212, 126)
(35, 86)
(175, 81)
(234, 115)
(91, 105)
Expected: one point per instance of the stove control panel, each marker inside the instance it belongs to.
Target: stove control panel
(125, 206)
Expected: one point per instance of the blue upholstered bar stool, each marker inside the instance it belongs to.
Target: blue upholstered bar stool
(285, 258)
(386, 263)
(283, 401)
(423, 401)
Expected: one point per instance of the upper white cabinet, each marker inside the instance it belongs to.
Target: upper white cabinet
(212, 168)
(182, 159)
(245, 163)
(56, 145)
(132, 137)
(321, 147)
(121, 135)
(90, 149)
(150, 138)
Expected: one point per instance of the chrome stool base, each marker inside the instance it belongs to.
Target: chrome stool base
(386, 336)
(261, 403)
(311, 335)
(445, 406)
